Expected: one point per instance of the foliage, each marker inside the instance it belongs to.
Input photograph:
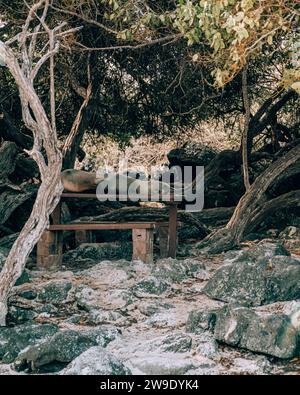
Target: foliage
(159, 90)
(234, 30)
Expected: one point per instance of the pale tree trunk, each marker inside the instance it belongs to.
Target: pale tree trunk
(49, 191)
(45, 138)
(46, 200)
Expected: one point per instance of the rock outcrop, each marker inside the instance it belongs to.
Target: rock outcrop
(258, 276)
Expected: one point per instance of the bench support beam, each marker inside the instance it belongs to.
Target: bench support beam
(142, 245)
(49, 250)
(172, 230)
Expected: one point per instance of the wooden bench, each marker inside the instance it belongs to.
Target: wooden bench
(50, 246)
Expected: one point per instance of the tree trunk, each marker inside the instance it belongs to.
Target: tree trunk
(245, 149)
(47, 199)
(45, 138)
(251, 206)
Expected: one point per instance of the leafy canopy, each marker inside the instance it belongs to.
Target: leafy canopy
(235, 30)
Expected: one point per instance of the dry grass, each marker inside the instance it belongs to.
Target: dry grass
(145, 152)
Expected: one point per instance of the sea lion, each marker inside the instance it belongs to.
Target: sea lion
(79, 180)
(123, 184)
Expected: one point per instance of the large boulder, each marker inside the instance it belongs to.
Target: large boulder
(13, 340)
(256, 277)
(96, 361)
(275, 334)
(63, 347)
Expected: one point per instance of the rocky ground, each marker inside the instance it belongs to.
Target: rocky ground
(237, 313)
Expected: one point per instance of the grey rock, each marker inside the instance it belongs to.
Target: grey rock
(255, 283)
(18, 315)
(290, 237)
(98, 252)
(177, 343)
(207, 345)
(55, 292)
(261, 252)
(166, 364)
(99, 317)
(24, 278)
(96, 361)
(77, 319)
(15, 339)
(290, 232)
(201, 320)
(47, 309)
(271, 334)
(95, 299)
(29, 293)
(150, 308)
(175, 271)
(149, 286)
(63, 347)
(87, 298)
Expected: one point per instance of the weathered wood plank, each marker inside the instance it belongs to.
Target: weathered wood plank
(103, 226)
(142, 245)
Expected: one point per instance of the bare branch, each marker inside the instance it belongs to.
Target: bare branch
(85, 19)
(166, 39)
(74, 130)
(52, 81)
(37, 29)
(43, 60)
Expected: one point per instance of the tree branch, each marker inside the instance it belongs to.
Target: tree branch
(245, 151)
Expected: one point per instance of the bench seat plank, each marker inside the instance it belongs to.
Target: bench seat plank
(106, 226)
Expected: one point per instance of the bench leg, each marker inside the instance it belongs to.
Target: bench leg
(142, 245)
(83, 236)
(56, 215)
(49, 250)
(163, 235)
(172, 230)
